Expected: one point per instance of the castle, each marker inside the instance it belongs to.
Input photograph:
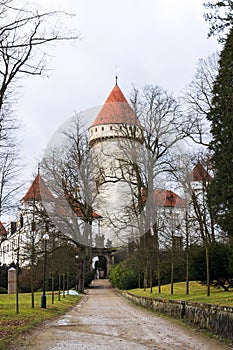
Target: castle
(116, 140)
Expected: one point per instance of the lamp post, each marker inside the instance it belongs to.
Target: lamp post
(43, 297)
(17, 278)
(77, 276)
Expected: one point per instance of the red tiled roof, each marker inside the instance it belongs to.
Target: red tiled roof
(116, 110)
(79, 213)
(200, 174)
(166, 198)
(116, 95)
(62, 209)
(37, 188)
(2, 230)
(173, 200)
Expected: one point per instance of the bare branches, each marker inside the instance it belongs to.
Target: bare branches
(197, 98)
(67, 171)
(24, 33)
(9, 171)
(25, 37)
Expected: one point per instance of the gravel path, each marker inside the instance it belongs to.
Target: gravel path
(104, 320)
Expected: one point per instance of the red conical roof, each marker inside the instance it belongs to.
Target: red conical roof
(37, 188)
(116, 110)
(116, 95)
(200, 174)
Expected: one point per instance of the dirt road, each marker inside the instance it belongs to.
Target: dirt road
(104, 320)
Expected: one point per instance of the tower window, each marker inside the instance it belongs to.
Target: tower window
(13, 227)
(95, 129)
(102, 128)
(21, 221)
(110, 127)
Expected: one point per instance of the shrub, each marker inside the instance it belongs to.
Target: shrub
(123, 276)
(3, 290)
(220, 264)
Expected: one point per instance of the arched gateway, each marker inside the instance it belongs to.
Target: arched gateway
(108, 254)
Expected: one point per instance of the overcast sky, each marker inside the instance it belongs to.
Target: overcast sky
(151, 41)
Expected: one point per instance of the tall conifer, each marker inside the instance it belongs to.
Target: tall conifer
(220, 193)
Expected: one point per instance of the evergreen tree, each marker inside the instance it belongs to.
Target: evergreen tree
(220, 193)
(220, 17)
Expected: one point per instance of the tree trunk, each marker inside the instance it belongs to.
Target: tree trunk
(159, 279)
(187, 250)
(63, 284)
(59, 287)
(32, 287)
(139, 280)
(158, 262)
(145, 277)
(67, 282)
(172, 275)
(151, 284)
(52, 288)
(207, 270)
(187, 272)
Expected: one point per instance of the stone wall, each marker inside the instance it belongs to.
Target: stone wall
(215, 319)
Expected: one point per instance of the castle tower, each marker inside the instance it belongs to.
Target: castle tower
(200, 178)
(115, 136)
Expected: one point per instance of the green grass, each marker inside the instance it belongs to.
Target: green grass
(197, 293)
(12, 324)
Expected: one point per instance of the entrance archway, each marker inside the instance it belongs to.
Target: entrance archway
(101, 267)
(103, 259)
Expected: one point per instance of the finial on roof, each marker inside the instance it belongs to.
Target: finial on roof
(39, 168)
(116, 73)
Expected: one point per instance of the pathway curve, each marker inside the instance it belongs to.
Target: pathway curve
(104, 320)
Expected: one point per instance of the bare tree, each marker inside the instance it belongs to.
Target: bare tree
(9, 177)
(194, 175)
(67, 171)
(196, 99)
(25, 37)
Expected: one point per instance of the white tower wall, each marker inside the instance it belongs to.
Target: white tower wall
(116, 138)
